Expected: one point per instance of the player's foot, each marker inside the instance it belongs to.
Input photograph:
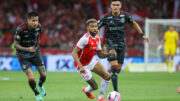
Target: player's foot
(88, 94)
(101, 99)
(171, 70)
(179, 90)
(42, 90)
(39, 98)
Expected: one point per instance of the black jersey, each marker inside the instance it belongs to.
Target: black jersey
(115, 28)
(27, 38)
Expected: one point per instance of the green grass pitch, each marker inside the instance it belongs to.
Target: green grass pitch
(66, 86)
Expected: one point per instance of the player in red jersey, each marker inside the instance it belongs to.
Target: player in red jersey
(83, 54)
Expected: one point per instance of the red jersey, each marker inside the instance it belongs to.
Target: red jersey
(88, 45)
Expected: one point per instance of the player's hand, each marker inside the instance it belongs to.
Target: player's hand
(146, 38)
(32, 49)
(81, 70)
(112, 52)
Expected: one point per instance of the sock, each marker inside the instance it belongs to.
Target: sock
(41, 81)
(104, 86)
(114, 78)
(172, 64)
(167, 62)
(32, 84)
(88, 88)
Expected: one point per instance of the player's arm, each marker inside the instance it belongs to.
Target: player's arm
(139, 30)
(136, 26)
(17, 39)
(104, 55)
(26, 49)
(76, 59)
(177, 39)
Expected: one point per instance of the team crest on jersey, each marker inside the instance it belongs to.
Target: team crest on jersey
(121, 15)
(17, 36)
(110, 17)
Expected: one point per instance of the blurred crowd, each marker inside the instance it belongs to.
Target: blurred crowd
(63, 21)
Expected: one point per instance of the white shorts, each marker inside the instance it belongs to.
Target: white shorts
(104, 62)
(88, 75)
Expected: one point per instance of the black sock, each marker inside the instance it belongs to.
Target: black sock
(114, 78)
(32, 84)
(41, 80)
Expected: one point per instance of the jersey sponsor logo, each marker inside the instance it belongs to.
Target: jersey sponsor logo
(25, 31)
(26, 36)
(28, 41)
(115, 28)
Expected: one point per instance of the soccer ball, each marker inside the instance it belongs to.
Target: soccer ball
(114, 96)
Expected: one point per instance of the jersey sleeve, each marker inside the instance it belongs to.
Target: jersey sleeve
(129, 18)
(99, 46)
(82, 43)
(100, 22)
(17, 36)
(165, 35)
(177, 36)
(40, 27)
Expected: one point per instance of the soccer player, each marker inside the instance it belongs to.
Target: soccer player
(26, 43)
(115, 22)
(85, 62)
(170, 45)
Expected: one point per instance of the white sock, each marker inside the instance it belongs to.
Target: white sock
(88, 88)
(104, 86)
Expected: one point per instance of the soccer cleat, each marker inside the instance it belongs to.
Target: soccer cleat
(39, 98)
(88, 94)
(101, 99)
(179, 90)
(42, 90)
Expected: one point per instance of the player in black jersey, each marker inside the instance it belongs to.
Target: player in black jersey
(27, 45)
(115, 23)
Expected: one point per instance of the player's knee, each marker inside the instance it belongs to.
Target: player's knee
(114, 72)
(43, 77)
(31, 79)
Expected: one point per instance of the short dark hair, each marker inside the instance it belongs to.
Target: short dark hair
(115, 0)
(91, 21)
(32, 14)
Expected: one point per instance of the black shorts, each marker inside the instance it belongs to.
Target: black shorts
(26, 63)
(120, 51)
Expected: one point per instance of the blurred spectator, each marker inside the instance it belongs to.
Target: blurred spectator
(63, 21)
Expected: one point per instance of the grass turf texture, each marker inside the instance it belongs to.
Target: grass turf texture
(66, 86)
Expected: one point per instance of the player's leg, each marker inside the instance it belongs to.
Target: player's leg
(26, 66)
(173, 52)
(166, 55)
(32, 83)
(100, 70)
(92, 85)
(38, 62)
(31, 80)
(42, 78)
(114, 67)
